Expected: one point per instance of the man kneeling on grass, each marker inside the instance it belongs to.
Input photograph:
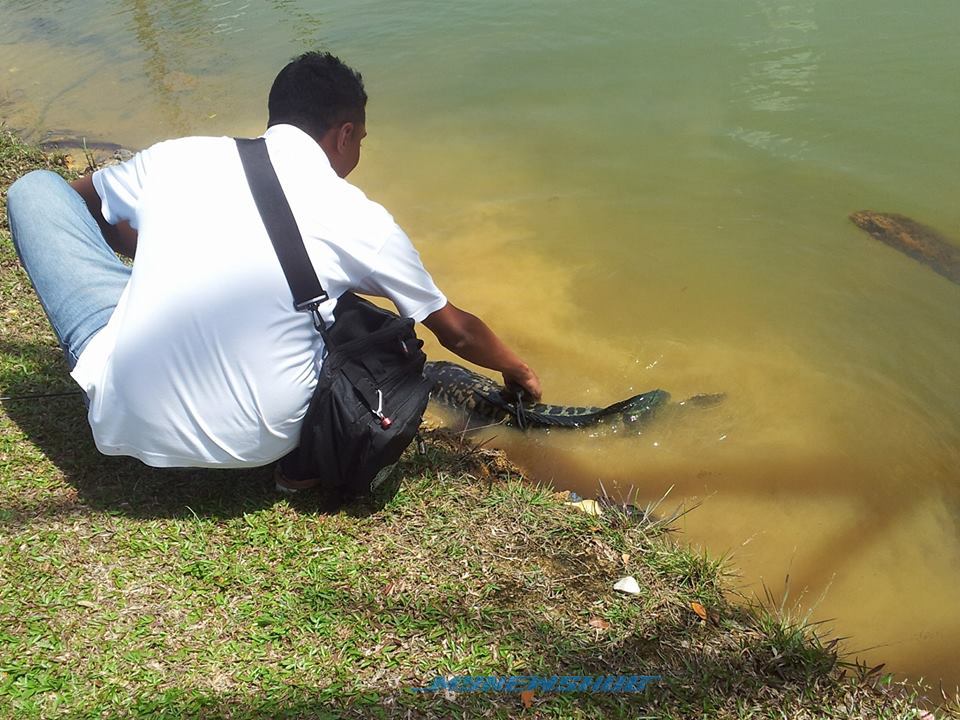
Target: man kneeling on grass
(194, 357)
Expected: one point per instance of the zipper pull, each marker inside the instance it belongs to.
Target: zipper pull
(385, 422)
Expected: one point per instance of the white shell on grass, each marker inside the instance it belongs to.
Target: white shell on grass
(628, 585)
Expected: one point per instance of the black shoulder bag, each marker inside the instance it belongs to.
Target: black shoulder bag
(371, 392)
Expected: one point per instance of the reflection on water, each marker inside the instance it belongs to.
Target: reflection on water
(163, 79)
(781, 72)
(139, 71)
(639, 196)
(783, 62)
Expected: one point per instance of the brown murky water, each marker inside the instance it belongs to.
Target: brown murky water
(638, 195)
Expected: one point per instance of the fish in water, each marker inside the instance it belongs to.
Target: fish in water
(68, 140)
(484, 402)
(911, 238)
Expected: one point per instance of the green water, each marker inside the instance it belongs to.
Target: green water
(637, 195)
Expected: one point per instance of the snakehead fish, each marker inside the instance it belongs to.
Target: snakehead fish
(483, 401)
(914, 239)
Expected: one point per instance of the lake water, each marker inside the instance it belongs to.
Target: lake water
(637, 195)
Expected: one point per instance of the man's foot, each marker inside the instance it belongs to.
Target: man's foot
(291, 487)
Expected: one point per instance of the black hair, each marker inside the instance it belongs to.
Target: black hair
(315, 92)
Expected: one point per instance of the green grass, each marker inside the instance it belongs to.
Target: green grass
(132, 592)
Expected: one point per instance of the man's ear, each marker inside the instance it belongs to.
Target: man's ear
(345, 135)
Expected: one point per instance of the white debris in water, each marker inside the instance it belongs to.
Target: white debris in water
(590, 507)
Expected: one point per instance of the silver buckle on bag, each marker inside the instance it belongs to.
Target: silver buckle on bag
(313, 307)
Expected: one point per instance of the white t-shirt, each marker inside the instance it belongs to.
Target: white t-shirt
(204, 361)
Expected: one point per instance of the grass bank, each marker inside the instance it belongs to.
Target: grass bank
(132, 592)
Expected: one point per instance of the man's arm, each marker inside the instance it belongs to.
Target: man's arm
(470, 338)
(120, 237)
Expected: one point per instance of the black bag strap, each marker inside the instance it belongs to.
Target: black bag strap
(282, 228)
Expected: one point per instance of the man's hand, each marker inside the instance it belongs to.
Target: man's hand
(526, 383)
(470, 338)
(121, 237)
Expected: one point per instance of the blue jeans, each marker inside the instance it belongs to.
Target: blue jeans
(76, 275)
